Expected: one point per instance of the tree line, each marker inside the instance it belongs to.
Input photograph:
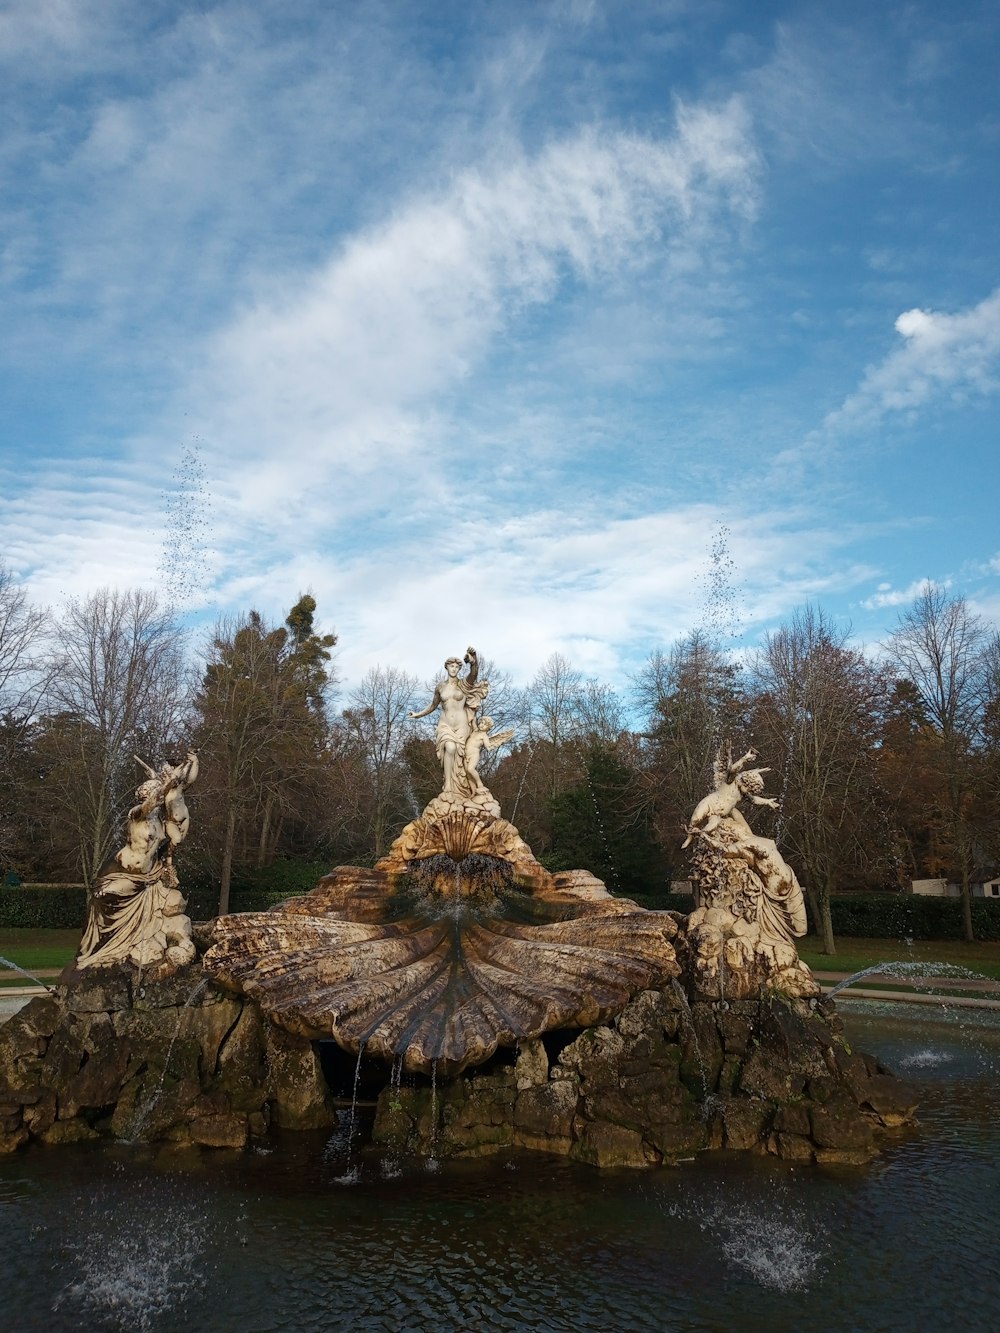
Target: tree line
(887, 767)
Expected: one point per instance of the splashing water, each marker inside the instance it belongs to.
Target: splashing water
(352, 1174)
(432, 1161)
(909, 969)
(772, 1240)
(131, 1268)
(184, 558)
(778, 1251)
(926, 1059)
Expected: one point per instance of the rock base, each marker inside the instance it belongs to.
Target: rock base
(178, 1061)
(116, 1056)
(662, 1081)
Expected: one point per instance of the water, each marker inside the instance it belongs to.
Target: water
(352, 1173)
(115, 1238)
(933, 971)
(16, 967)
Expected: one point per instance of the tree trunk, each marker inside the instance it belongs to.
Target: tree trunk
(815, 911)
(827, 922)
(265, 830)
(227, 861)
(967, 930)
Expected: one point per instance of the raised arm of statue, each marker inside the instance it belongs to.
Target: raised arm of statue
(432, 707)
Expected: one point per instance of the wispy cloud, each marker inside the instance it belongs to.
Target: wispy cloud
(334, 379)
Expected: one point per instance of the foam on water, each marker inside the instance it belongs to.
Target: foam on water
(779, 1251)
(925, 1059)
(131, 1268)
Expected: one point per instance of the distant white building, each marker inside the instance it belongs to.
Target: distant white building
(941, 888)
(935, 888)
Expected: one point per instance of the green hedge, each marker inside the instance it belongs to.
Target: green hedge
(899, 916)
(42, 909)
(66, 908)
(870, 915)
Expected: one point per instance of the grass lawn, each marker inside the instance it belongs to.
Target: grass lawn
(33, 949)
(855, 954)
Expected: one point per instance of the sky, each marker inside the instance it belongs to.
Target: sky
(491, 322)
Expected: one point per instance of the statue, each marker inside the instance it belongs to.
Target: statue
(477, 739)
(733, 781)
(136, 910)
(750, 907)
(460, 738)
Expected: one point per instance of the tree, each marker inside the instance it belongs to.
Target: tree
(943, 648)
(598, 824)
(818, 711)
(552, 713)
(378, 722)
(22, 682)
(116, 690)
(261, 731)
(910, 771)
(691, 699)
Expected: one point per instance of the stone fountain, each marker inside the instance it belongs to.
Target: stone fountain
(525, 1009)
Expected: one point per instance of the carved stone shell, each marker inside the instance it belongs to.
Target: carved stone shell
(441, 961)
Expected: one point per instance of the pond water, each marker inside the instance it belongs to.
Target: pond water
(299, 1237)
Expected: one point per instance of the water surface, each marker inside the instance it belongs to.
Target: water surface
(301, 1237)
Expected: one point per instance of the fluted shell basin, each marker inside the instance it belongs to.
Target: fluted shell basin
(444, 961)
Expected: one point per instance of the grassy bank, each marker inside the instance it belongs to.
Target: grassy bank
(853, 954)
(33, 949)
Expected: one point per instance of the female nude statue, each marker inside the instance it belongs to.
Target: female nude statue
(458, 700)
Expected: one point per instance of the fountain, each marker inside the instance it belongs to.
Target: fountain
(528, 1010)
(506, 1024)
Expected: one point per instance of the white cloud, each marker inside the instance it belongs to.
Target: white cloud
(887, 595)
(334, 379)
(950, 357)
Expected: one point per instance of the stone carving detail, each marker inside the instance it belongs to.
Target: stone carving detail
(461, 738)
(750, 908)
(440, 963)
(458, 940)
(136, 909)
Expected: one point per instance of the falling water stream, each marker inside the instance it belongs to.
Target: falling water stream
(16, 967)
(146, 1110)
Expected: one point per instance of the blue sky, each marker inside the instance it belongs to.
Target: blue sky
(484, 319)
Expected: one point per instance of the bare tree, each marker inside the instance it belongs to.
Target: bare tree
(601, 714)
(22, 630)
(378, 721)
(552, 710)
(818, 711)
(943, 648)
(23, 678)
(116, 690)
